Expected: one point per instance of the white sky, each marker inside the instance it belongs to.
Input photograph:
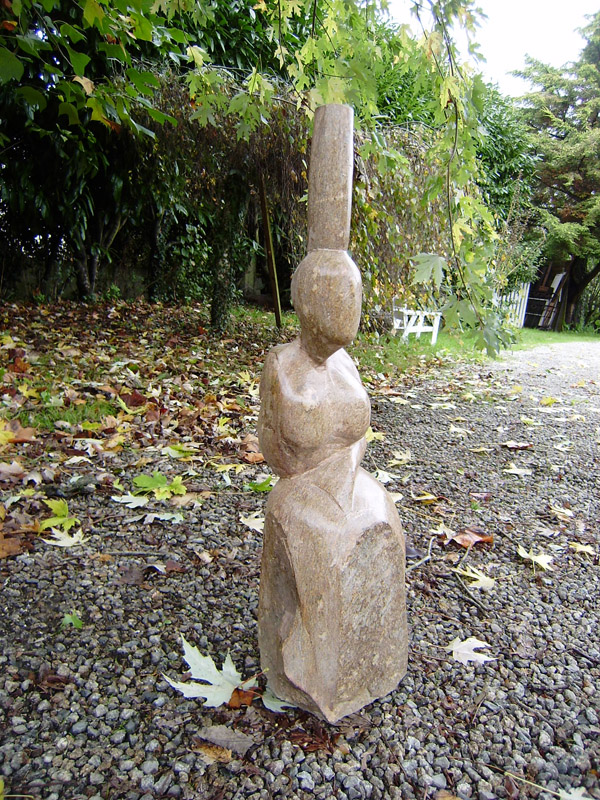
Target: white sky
(543, 29)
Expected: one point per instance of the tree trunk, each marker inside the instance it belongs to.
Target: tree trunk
(579, 280)
(84, 288)
(48, 280)
(224, 269)
(154, 262)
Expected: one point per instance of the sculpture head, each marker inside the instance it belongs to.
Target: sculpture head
(327, 296)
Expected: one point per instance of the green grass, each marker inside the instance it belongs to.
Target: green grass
(533, 337)
(385, 354)
(45, 417)
(390, 354)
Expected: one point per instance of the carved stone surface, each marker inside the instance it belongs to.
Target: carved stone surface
(332, 614)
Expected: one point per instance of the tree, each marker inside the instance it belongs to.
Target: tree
(79, 75)
(563, 117)
(73, 94)
(507, 168)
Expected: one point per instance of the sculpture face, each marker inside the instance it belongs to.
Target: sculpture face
(327, 295)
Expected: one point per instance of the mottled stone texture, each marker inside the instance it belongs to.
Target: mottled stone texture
(332, 615)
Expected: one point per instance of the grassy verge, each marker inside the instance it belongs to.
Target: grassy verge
(86, 413)
(388, 355)
(382, 354)
(534, 337)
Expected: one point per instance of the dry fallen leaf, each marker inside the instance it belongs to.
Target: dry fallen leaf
(511, 445)
(462, 433)
(61, 538)
(253, 458)
(17, 433)
(400, 458)
(212, 753)
(465, 651)
(11, 472)
(541, 559)
(564, 446)
(217, 686)
(443, 530)
(582, 548)
(561, 512)
(372, 436)
(471, 535)
(530, 421)
(425, 497)
(240, 698)
(255, 521)
(383, 476)
(11, 545)
(204, 556)
(477, 578)
(251, 448)
(512, 469)
(230, 739)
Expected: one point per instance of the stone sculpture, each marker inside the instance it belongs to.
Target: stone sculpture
(332, 615)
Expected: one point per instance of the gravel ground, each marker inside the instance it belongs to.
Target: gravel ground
(86, 713)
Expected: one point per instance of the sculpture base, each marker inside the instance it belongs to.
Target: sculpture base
(332, 613)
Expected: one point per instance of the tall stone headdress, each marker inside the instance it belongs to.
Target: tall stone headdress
(332, 613)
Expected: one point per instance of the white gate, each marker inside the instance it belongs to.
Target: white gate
(514, 304)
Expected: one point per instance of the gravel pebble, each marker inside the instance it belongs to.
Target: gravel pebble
(81, 710)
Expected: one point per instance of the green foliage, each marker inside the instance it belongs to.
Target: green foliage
(71, 619)
(260, 486)
(158, 485)
(562, 115)
(95, 90)
(60, 516)
(52, 409)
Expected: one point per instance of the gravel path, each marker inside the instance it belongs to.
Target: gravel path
(509, 450)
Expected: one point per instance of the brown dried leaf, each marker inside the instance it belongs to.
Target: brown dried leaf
(241, 698)
(250, 442)
(253, 458)
(134, 400)
(189, 498)
(226, 737)
(512, 790)
(315, 739)
(212, 753)
(20, 434)
(47, 679)
(19, 366)
(469, 536)
(174, 566)
(132, 576)
(11, 472)
(11, 545)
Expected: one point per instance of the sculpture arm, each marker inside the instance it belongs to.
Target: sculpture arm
(272, 443)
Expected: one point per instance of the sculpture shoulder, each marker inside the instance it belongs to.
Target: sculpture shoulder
(273, 365)
(342, 361)
(287, 367)
(281, 357)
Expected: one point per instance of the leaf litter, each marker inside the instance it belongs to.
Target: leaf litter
(189, 429)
